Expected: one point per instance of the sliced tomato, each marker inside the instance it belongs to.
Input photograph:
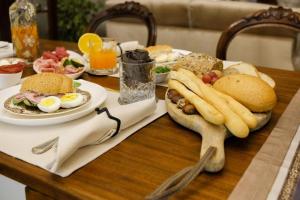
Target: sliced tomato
(11, 69)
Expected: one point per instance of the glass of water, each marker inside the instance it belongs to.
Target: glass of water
(137, 81)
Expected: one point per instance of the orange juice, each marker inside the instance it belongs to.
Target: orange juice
(103, 59)
(25, 40)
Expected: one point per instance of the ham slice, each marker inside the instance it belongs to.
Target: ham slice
(69, 69)
(31, 96)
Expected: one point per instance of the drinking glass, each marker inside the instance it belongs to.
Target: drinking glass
(137, 82)
(104, 61)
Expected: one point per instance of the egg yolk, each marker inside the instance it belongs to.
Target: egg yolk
(68, 97)
(47, 102)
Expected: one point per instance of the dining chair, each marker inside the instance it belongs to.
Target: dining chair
(129, 9)
(274, 16)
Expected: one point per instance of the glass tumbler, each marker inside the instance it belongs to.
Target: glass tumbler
(104, 61)
(137, 82)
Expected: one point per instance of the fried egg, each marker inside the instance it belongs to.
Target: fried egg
(71, 100)
(49, 104)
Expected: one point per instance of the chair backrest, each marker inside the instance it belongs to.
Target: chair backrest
(274, 16)
(128, 9)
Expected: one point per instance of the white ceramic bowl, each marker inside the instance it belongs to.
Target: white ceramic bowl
(72, 54)
(8, 80)
(161, 77)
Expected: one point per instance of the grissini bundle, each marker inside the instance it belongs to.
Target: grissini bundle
(189, 80)
(206, 110)
(232, 121)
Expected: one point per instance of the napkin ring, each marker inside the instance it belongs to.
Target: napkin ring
(99, 111)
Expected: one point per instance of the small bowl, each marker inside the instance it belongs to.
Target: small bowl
(8, 80)
(161, 77)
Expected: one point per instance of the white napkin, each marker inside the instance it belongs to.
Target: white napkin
(94, 127)
(18, 141)
(6, 49)
(128, 46)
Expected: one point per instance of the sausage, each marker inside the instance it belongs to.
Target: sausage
(189, 109)
(172, 93)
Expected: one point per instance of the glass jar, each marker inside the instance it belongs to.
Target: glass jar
(24, 31)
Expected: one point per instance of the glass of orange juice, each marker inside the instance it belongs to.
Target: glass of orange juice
(104, 61)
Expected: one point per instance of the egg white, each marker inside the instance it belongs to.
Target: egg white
(71, 100)
(49, 104)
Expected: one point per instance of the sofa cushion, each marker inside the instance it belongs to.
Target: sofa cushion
(267, 51)
(205, 14)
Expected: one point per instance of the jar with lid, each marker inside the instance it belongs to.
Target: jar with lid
(24, 31)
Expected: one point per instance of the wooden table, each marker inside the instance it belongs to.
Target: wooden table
(135, 167)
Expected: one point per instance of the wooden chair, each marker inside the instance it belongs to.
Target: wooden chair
(128, 9)
(274, 16)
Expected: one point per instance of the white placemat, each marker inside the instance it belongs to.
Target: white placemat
(17, 141)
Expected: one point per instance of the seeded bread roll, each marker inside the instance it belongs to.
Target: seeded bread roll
(251, 91)
(199, 63)
(48, 84)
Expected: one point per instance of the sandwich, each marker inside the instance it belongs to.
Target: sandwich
(47, 92)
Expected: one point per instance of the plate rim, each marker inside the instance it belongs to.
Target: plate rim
(47, 115)
(11, 119)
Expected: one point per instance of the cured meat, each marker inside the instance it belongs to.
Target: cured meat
(53, 61)
(48, 65)
(69, 69)
(50, 55)
(57, 55)
(61, 53)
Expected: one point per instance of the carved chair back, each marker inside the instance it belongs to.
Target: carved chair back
(128, 9)
(274, 16)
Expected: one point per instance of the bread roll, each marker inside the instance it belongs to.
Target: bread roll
(199, 63)
(158, 49)
(48, 84)
(251, 91)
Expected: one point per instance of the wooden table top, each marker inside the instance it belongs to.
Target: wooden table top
(139, 164)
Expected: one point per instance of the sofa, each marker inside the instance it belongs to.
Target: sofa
(196, 25)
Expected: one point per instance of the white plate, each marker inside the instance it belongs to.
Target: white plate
(178, 53)
(263, 76)
(74, 55)
(86, 101)
(97, 92)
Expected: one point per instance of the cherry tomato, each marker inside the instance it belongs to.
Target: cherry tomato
(206, 78)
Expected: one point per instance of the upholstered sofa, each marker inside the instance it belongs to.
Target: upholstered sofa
(196, 25)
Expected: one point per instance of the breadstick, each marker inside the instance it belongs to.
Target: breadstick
(246, 115)
(232, 121)
(208, 112)
(184, 79)
(238, 108)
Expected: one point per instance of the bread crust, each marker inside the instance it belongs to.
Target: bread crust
(251, 91)
(48, 84)
(158, 49)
